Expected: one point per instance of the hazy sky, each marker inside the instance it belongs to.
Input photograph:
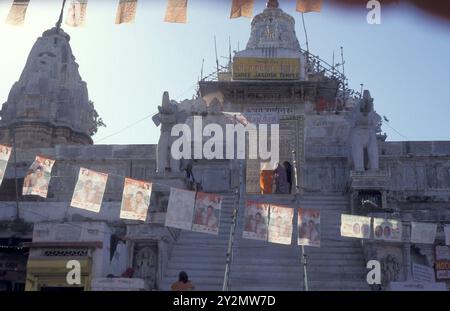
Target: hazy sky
(405, 61)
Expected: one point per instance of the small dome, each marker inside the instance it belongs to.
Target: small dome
(273, 28)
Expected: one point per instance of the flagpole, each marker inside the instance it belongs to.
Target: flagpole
(61, 14)
(306, 33)
(230, 242)
(303, 259)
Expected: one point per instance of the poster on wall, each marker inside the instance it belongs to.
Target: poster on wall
(355, 226)
(38, 177)
(89, 190)
(207, 213)
(423, 233)
(442, 264)
(135, 199)
(180, 209)
(280, 224)
(256, 219)
(308, 227)
(5, 153)
(387, 229)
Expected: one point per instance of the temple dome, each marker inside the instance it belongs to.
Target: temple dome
(50, 93)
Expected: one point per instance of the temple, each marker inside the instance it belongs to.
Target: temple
(329, 133)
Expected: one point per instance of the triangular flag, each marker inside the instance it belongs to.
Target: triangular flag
(176, 11)
(16, 15)
(76, 16)
(306, 6)
(38, 177)
(242, 8)
(126, 11)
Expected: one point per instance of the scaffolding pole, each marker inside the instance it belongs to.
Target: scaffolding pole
(303, 259)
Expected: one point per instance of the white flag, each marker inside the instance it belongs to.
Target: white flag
(38, 177)
(5, 153)
(176, 11)
(89, 190)
(180, 209)
(423, 233)
(355, 226)
(135, 199)
(76, 15)
(16, 15)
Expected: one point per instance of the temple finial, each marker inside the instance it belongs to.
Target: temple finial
(59, 22)
(272, 4)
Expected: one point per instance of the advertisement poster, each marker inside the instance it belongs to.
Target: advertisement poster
(256, 220)
(89, 190)
(38, 177)
(180, 210)
(387, 229)
(5, 153)
(442, 262)
(135, 199)
(308, 227)
(423, 233)
(207, 213)
(355, 226)
(280, 224)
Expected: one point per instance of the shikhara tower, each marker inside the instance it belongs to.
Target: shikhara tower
(49, 104)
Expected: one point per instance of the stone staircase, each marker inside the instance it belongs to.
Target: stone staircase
(261, 266)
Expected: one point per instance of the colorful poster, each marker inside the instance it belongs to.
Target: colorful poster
(241, 8)
(180, 209)
(355, 226)
(176, 11)
(207, 213)
(387, 229)
(309, 227)
(280, 224)
(16, 15)
(89, 190)
(38, 177)
(442, 262)
(5, 153)
(447, 234)
(423, 233)
(126, 11)
(76, 15)
(135, 199)
(256, 220)
(306, 6)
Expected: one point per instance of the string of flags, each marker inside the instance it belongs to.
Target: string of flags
(176, 11)
(201, 212)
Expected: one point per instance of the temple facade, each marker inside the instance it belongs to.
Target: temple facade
(329, 134)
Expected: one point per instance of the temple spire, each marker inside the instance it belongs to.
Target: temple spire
(272, 4)
(59, 22)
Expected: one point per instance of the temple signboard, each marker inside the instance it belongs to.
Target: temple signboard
(246, 68)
